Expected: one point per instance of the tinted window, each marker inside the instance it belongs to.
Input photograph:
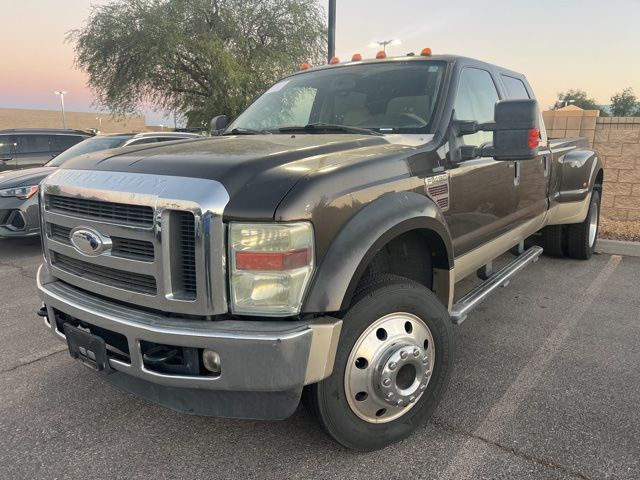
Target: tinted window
(140, 141)
(5, 145)
(33, 143)
(62, 142)
(515, 88)
(476, 100)
(93, 144)
(393, 97)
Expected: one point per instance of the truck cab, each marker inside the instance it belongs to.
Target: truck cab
(315, 244)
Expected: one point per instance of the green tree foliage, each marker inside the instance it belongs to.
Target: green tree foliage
(625, 104)
(198, 57)
(580, 99)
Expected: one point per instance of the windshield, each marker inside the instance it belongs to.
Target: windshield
(89, 145)
(389, 97)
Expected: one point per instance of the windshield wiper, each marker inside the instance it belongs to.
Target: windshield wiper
(329, 128)
(247, 131)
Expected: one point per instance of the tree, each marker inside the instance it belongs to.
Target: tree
(625, 104)
(197, 57)
(580, 99)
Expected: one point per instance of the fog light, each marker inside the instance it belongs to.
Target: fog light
(211, 361)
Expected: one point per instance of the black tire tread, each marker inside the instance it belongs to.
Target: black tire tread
(552, 241)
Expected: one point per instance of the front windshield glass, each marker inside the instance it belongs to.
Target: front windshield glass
(89, 145)
(387, 97)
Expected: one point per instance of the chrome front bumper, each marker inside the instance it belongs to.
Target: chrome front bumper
(264, 364)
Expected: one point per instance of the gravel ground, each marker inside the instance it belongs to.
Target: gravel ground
(546, 386)
(620, 230)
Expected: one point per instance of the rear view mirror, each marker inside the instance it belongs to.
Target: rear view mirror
(516, 132)
(218, 124)
(516, 135)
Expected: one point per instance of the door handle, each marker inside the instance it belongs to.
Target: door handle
(545, 159)
(5, 160)
(516, 173)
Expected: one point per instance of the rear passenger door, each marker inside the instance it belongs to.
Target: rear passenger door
(7, 150)
(533, 175)
(32, 150)
(483, 198)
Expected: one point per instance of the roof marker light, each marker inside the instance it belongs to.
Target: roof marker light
(426, 52)
(334, 60)
(356, 57)
(381, 54)
(305, 66)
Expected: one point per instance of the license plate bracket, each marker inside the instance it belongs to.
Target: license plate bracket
(90, 349)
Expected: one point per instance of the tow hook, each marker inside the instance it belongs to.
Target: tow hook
(43, 312)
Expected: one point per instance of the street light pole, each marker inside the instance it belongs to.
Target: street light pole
(62, 94)
(332, 29)
(385, 43)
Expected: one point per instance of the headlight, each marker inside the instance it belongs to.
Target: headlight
(271, 265)
(23, 193)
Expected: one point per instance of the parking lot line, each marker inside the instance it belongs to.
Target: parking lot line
(469, 456)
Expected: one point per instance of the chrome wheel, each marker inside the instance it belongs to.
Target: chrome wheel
(389, 367)
(594, 218)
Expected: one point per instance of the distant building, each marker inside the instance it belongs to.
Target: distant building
(104, 122)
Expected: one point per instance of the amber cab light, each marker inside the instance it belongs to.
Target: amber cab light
(534, 138)
(356, 57)
(426, 52)
(334, 60)
(381, 54)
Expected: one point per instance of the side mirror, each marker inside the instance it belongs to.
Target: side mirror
(516, 132)
(218, 124)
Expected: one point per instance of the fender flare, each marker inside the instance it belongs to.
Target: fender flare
(579, 166)
(364, 235)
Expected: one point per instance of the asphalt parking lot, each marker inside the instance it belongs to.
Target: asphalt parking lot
(546, 386)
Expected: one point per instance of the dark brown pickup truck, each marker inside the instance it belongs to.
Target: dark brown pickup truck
(315, 244)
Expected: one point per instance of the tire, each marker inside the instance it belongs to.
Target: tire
(387, 299)
(552, 241)
(582, 237)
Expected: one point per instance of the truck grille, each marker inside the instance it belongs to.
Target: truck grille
(130, 281)
(166, 238)
(98, 210)
(188, 253)
(122, 247)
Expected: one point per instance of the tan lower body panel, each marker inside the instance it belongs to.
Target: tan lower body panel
(569, 212)
(470, 262)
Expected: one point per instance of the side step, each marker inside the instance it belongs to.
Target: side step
(476, 296)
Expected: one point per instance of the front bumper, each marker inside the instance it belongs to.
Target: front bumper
(19, 218)
(264, 364)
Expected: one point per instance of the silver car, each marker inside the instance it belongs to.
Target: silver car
(18, 188)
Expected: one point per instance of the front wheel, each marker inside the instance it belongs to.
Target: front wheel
(392, 367)
(582, 237)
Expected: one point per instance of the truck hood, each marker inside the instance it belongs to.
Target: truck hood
(257, 171)
(26, 177)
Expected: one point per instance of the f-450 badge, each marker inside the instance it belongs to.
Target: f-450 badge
(438, 190)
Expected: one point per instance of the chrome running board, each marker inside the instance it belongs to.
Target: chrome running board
(476, 296)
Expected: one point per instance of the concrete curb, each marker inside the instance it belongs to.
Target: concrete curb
(618, 247)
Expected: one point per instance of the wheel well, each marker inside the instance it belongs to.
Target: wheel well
(599, 181)
(413, 255)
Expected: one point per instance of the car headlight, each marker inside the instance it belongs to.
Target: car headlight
(23, 193)
(271, 265)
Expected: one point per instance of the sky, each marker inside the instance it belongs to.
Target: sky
(593, 45)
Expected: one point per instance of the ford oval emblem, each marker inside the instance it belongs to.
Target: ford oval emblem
(89, 242)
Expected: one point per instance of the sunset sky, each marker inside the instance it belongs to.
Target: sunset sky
(559, 44)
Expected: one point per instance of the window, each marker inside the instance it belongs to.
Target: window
(515, 88)
(476, 100)
(393, 97)
(61, 142)
(33, 143)
(140, 141)
(5, 145)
